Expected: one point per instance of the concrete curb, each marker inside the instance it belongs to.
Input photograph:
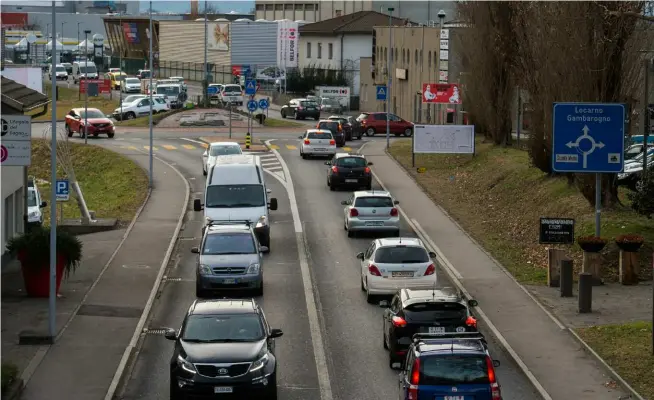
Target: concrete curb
(15, 390)
(118, 376)
(586, 346)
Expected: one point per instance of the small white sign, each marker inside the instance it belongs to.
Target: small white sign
(445, 44)
(443, 65)
(614, 158)
(443, 76)
(15, 153)
(16, 127)
(444, 55)
(444, 139)
(445, 34)
(98, 39)
(567, 158)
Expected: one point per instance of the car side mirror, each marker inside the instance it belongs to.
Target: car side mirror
(43, 204)
(275, 333)
(273, 204)
(300, 137)
(197, 205)
(432, 254)
(264, 249)
(328, 163)
(345, 202)
(473, 303)
(396, 202)
(268, 191)
(360, 256)
(170, 334)
(496, 363)
(384, 304)
(370, 163)
(195, 250)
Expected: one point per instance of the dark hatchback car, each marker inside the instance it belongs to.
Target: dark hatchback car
(437, 311)
(301, 109)
(349, 170)
(336, 128)
(224, 349)
(351, 125)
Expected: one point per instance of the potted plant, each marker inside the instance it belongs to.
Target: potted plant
(33, 251)
(629, 242)
(591, 244)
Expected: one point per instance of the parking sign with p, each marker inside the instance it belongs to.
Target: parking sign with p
(62, 190)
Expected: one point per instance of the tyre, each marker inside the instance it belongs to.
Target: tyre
(350, 233)
(199, 292)
(271, 393)
(363, 288)
(369, 186)
(258, 292)
(408, 132)
(317, 118)
(297, 117)
(304, 156)
(282, 113)
(130, 115)
(370, 298)
(174, 393)
(370, 132)
(391, 361)
(111, 135)
(82, 134)
(332, 187)
(396, 233)
(204, 172)
(68, 131)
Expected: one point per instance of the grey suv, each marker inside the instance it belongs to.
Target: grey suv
(229, 258)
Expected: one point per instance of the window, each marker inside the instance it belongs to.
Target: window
(403, 56)
(31, 198)
(92, 113)
(9, 217)
(269, 7)
(319, 50)
(435, 59)
(438, 311)
(373, 202)
(259, 7)
(279, 7)
(288, 7)
(421, 59)
(330, 51)
(235, 196)
(320, 135)
(401, 255)
(329, 126)
(222, 328)
(309, 104)
(225, 150)
(453, 369)
(416, 57)
(229, 243)
(299, 7)
(351, 162)
(309, 7)
(338, 13)
(395, 54)
(308, 49)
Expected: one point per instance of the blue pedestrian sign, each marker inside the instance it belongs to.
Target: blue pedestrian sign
(252, 105)
(62, 190)
(250, 87)
(382, 92)
(263, 104)
(212, 90)
(588, 137)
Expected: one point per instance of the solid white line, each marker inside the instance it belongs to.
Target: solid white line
(194, 141)
(309, 295)
(275, 168)
(456, 280)
(153, 293)
(269, 162)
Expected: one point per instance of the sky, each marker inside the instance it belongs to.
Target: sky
(243, 6)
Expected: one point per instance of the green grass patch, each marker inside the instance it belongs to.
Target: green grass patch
(627, 349)
(280, 123)
(9, 376)
(113, 185)
(498, 197)
(69, 98)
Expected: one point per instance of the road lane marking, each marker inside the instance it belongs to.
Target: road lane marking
(347, 148)
(148, 148)
(169, 147)
(291, 147)
(188, 146)
(204, 145)
(310, 295)
(132, 147)
(274, 147)
(275, 168)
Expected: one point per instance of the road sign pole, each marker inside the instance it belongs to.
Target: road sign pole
(230, 119)
(86, 92)
(52, 298)
(598, 204)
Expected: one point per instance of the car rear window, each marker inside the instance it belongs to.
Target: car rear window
(332, 126)
(453, 369)
(320, 135)
(225, 150)
(370, 201)
(440, 310)
(309, 104)
(352, 162)
(232, 89)
(401, 255)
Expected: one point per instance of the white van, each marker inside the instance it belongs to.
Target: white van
(60, 72)
(232, 93)
(236, 191)
(83, 70)
(174, 93)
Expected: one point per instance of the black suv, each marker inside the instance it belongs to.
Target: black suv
(352, 126)
(441, 310)
(336, 128)
(301, 109)
(224, 347)
(349, 170)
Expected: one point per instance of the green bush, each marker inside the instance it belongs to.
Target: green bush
(642, 200)
(9, 376)
(310, 77)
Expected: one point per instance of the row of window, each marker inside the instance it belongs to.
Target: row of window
(287, 7)
(330, 50)
(382, 54)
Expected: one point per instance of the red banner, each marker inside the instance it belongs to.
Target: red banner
(13, 20)
(441, 93)
(104, 85)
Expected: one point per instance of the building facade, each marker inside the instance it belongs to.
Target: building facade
(254, 43)
(76, 6)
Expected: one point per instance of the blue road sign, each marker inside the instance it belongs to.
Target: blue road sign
(212, 90)
(263, 104)
(250, 87)
(382, 92)
(252, 105)
(62, 190)
(246, 71)
(588, 137)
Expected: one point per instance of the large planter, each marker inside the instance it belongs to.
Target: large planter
(37, 277)
(591, 244)
(629, 243)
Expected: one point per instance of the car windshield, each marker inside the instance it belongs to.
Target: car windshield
(338, 119)
(90, 69)
(61, 69)
(353, 162)
(31, 198)
(440, 310)
(309, 104)
(639, 157)
(132, 80)
(232, 89)
(168, 90)
(453, 369)
(401, 255)
(235, 196)
(223, 328)
(330, 126)
(92, 113)
(229, 243)
(373, 202)
(145, 74)
(225, 150)
(320, 135)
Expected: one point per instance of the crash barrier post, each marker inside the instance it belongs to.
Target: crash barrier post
(248, 140)
(585, 292)
(566, 278)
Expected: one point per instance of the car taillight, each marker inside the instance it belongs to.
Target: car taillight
(415, 380)
(307, 141)
(398, 322)
(496, 394)
(367, 170)
(471, 322)
(374, 270)
(354, 212)
(335, 170)
(393, 210)
(332, 142)
(431, 270)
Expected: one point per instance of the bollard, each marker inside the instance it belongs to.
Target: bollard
(585, 292)
(566, 278)
(248, 140)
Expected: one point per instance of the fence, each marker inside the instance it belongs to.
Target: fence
(195, 71)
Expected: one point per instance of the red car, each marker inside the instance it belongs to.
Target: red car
(98, 123)
(375, 122)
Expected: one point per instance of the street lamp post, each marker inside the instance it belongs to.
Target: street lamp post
(441, 18)
(52, 298)
(86, 92)
(150, 91)
(78, 38)
(390, 76)
(120, 65)
(205, 88)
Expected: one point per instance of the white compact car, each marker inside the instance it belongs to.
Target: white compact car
(232, 93)
(391, 264)
(217, 149)
(34, 204)
(130, 85)
(371, 211)
(317, 142)
(140, 108)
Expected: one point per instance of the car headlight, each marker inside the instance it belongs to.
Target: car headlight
(263, 221)
(254, 268)
(205, 270)
(185, 365)
(260, 363)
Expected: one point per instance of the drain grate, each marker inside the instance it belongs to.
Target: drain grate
(154, 331)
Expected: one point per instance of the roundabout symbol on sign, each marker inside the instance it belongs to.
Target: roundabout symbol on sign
(3, 153)
(582, 147)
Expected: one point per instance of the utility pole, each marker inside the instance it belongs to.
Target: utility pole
(205, 87)
(390, 77)
(150, 91)
(120, 66)
(646, 114)
(86, 92)
(441, 18)
(52, 298)
(78, 37)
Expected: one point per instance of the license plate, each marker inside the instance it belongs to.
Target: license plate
(351, 180)
(229, 281)
(223, 389)
(311, 109)
(319, 149)
(401, 274)
(376, 223)
(437, 329)
(454, 398)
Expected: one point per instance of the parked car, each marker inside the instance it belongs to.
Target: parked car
(301, 109)
(336, 129)
(60, 73)
(350, 124)
(131, 85)
(635, 150)
(34, 204)
(317, 142)
(331, 106)
(131, 98)
(98, 123)
(375, 122)
(140, 108)
(216, 96)
(349, 170)
(633, 170)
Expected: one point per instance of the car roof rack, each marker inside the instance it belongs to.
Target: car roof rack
(212, 222)
(448, 336)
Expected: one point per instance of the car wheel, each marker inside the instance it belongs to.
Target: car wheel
(82, 134)
(317, 118)
(391, 361)
(396, 233)
(68, 131)
(363, 288)
(350, 233)
(297, 117)
(408, 132)
(272, 389)
(258, 292)
(130, 115)
(110, 135)
(304, 156)
(174, 393)
(332, 187)
(370, 132)
(370, 298)
(204, 172)
(369, 186)
(199, 293)
(282, 113)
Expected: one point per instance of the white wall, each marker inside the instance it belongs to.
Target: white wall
(12, 204)
(355, 47)
(323, 61)
(28, 76)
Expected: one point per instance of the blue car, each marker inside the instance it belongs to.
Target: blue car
(449, 366)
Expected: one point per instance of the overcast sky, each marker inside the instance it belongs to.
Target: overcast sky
(185, 6)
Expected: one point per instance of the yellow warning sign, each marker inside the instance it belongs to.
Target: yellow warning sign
(421, 170)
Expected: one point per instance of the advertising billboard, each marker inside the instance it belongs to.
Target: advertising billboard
(131, 31)
(441, 93)
(219, 37)
(288, 38)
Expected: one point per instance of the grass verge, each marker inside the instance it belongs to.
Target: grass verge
(112, 184)
(498, 198)
(280, 123)
(627, 349)
(9, 376)
(145, 121)
(68, 99)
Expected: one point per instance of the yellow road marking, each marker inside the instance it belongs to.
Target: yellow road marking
(148, 148)
(188, 146)
(169, 147)
(347, 148)
(291, 147)
(274, 147)
(132, 147)
(204, 145)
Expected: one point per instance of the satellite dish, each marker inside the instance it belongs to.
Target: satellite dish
(31, 38)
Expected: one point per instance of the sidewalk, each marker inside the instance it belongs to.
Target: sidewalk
(548, 350)
(83, 361)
